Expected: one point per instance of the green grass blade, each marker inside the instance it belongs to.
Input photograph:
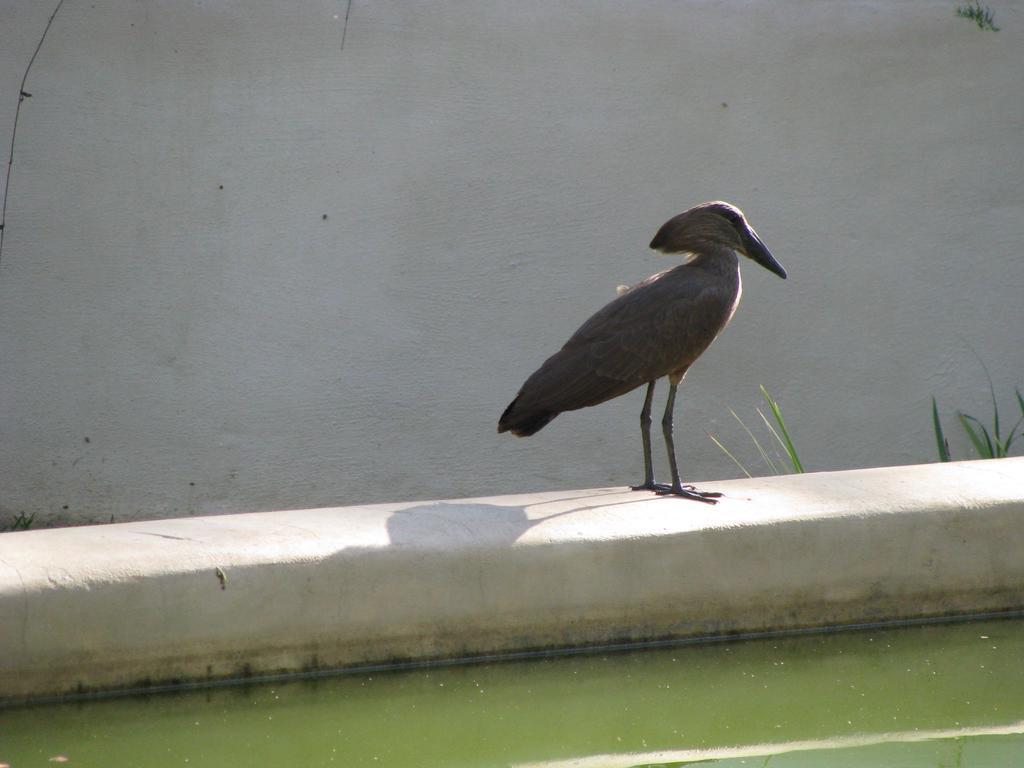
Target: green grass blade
(1013, 432)
(1012, 437)
(760, 449)
(982, 446)
(940, 437)
(725, 450)
(790, 448)
(20, 522)
(991, 445)
(995, 407)
(775, 434)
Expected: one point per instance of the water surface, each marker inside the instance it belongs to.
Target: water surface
(939, 695)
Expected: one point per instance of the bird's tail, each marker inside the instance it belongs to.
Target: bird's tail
(523, 423)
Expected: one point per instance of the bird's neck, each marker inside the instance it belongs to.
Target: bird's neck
(719, 261)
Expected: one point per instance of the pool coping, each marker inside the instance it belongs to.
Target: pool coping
(202, 600)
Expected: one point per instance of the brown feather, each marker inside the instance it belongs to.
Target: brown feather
(660, 326)
(656, 328)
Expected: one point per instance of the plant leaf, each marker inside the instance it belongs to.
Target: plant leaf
(983, 447)
(940, 437)
(1012, 436)
(725, 450)
(774, 433)
(790, 448)
(760, 449)
(995, 407)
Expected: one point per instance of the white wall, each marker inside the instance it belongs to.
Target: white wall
(489, 173)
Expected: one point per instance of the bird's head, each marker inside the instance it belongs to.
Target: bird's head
(711, 226)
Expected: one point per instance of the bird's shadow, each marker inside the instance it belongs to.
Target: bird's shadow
(443, 523)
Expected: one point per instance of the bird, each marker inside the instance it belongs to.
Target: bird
(656, 328)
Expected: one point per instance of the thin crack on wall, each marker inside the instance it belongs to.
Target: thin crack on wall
(22, 95)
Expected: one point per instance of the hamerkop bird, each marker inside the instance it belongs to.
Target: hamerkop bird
(656, 328)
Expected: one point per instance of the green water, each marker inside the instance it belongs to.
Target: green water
(933, 696)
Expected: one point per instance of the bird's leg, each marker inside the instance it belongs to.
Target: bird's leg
(677, 489)
(645, 436)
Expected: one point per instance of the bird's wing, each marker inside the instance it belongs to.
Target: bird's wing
(661, 325)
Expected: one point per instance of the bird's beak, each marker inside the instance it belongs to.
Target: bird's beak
(759, 252)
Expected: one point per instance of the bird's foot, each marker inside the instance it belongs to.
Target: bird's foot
(648, 485)
(683, 491)
(688, 492)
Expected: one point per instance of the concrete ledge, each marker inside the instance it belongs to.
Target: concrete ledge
(206, 598)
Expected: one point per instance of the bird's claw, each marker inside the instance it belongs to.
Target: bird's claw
(683, 491)
(689, 492)
(660, 488)
(705, 494)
